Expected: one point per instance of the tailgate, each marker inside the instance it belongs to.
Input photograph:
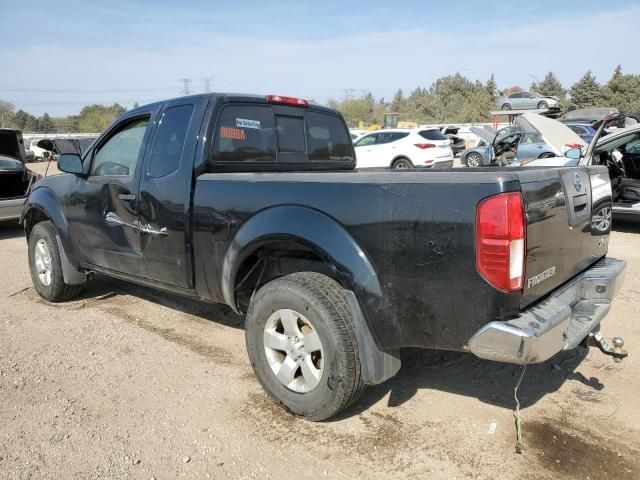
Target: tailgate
(568, 215)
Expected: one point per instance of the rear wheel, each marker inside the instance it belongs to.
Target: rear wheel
(542, 105)
(474, 160)
(402, 163)
(46, 266)
(506, 106)
(302, 345)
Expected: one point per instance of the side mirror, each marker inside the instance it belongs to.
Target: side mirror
(70, 163)
(573, 154)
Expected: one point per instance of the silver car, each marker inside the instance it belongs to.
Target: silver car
(528, 100)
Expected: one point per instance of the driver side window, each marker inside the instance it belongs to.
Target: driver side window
(119, 155)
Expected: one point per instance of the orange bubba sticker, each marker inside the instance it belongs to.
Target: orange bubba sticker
(233, 133)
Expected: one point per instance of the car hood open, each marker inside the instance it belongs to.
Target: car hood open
(485, 133)
(557, 135)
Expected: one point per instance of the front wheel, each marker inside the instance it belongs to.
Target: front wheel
(46, 266)
(543, 105)
(547, 155)
(506, 106)
(302, 345)
(474, 160)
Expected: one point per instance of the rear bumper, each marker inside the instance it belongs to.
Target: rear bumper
(560, 322)
(448, 163)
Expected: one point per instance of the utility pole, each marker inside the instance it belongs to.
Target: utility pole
(186, 89)
(206, 82)
(348, 93)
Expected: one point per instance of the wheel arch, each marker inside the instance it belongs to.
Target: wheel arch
(42, 205)
(305, 230)
(401, 156)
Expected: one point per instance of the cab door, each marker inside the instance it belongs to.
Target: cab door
(103, 210)
(164, 213)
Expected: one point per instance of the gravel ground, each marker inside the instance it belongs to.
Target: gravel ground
(127, 382)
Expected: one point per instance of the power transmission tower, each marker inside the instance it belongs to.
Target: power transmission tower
(186, 89)
(348, 93)
(206, 82)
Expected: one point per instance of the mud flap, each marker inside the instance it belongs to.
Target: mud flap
(70, 274)
(377, 365)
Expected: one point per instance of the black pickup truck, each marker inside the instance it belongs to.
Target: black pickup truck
(255, 202)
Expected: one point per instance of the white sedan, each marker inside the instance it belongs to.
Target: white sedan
(404, 148)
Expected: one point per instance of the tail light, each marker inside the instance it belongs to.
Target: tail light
(501, 241)
(424, 146)
(298, 102)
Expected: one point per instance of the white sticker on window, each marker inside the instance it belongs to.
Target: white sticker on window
(244, 123)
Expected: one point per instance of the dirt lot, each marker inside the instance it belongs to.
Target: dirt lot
(126, 382)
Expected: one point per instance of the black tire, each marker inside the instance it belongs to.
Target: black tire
(57, 290)
(401, 164)
(322, 302)
(547, 155)
(542, 105)
(506, 106)
(473, 160)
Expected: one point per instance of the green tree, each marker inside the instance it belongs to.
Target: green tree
(95, 118)
(550, 86)
(622, 92)
(7, 112)
(457, 99)
(46, 124)
(492, 88)
(586, 92)
(398, 102)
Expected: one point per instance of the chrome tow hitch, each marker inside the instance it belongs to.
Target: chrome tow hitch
(597, 340)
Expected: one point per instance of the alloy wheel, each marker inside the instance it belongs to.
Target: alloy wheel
(42, 258)
(294, 350)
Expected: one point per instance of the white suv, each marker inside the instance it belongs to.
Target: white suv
(404, 148)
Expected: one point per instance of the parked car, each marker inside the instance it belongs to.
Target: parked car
(16, 180)
(29, 156)
(619, 151)
(457, 143)
(505, 146)
(528, 100)
(41, 147)
(336, 269)
(404, 148)
(588, 115)
(584, 130)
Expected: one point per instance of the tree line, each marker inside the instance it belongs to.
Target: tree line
(457, 99)
(91, 119)
(450, 99)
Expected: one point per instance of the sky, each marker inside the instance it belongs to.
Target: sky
(59, 56)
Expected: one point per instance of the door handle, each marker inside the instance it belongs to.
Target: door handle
(127, 196)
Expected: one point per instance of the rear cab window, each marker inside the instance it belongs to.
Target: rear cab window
(271, 135)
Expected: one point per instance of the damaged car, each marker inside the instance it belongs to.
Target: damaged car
(509, 144)
(16, 179)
